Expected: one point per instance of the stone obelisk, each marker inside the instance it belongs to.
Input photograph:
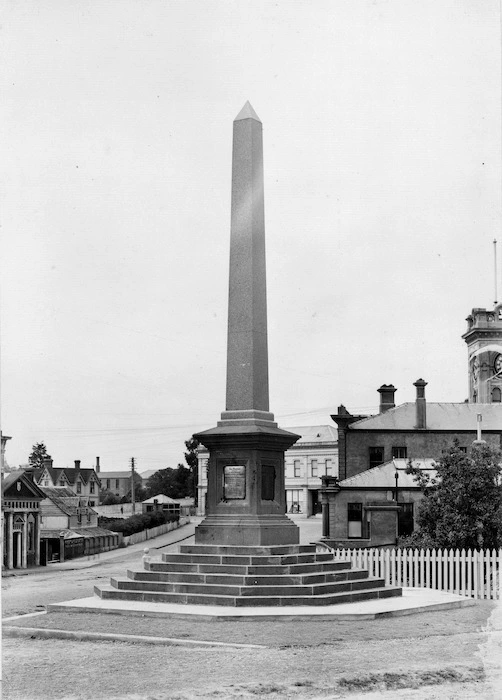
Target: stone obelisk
(246, 499)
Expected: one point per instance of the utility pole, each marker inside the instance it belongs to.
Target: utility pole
(132, 486)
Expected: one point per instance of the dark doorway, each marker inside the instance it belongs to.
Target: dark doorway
(16, 541)
(405, 519)
(316, 504)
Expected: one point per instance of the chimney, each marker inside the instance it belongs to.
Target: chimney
(420, 404)
(48, 462)
(97, 465)
(386, 392)
(77, 464)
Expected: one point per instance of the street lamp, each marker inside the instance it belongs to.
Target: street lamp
(396, 477)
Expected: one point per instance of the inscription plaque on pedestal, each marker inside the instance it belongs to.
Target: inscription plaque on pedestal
(234, 482)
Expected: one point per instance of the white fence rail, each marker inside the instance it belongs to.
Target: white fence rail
(475, 574)
(154, 532)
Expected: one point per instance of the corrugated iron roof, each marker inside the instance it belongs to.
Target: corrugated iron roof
(160, 498)
(439, 416)
(383, 476)
(117, 475)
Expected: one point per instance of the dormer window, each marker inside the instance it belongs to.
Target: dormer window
(79, 487)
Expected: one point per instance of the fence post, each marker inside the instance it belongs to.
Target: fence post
(462, 584)
(433, 572)
(422, 577)
(475, 573)
(457, 571)
(393, 566)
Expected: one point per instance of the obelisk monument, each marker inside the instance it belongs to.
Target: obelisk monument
(246, 499)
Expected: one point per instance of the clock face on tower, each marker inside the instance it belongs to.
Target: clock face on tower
(498, 364)
(475, 368)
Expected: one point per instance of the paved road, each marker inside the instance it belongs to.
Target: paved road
(31, 592)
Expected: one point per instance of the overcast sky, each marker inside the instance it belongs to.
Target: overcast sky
(382, 153)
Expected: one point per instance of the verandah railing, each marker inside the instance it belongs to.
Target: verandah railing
(471, 573)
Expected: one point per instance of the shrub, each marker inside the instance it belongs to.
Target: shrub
(138, 523)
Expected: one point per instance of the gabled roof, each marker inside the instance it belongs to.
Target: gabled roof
(64, 498)
(314, 433)
(70, 473)
(160, 498)
(439, 416)
(118, 475)
(19, 475)
(384, 476)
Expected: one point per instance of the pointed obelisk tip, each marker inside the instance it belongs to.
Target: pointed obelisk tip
(247, 112)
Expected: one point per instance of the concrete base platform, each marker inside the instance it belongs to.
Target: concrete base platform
(413, 600)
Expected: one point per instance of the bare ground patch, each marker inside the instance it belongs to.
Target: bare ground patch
(287, 633)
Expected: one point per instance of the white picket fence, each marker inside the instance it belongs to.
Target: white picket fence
(469, 573)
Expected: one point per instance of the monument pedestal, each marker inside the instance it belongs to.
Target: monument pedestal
(246, 498)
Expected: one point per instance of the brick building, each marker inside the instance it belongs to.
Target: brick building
(413, 430)
(375, 500)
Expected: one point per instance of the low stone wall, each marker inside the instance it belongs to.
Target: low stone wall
(153, 532)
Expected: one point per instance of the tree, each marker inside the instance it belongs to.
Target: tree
(38, 454)
(174, 483)
(191, 458)
(140, 494)
(462, 506)
(108, 498)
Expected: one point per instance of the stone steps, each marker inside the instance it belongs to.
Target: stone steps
(264, 570)
(246, 559)
(238, 576)
(246, 580)
(111, 593)
(233, 589)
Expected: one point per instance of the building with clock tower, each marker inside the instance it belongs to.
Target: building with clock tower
(484, 349)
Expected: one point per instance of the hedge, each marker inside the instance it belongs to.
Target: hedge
(137, 523)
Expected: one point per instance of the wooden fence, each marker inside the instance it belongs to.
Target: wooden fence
(469, 573)
(154, 531)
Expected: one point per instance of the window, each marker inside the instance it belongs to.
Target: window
(88, 516)
(79, 515)
(117, 483)
(355, 519)
(108, 483)
(92, 503)
(474, 397)
(405, 519)
(79, 487)
(313, 467)
(91, 487)
(376, 456)
(296, 468)
(399, 452)
(329, 467)
(496, 395)
(293, 500)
